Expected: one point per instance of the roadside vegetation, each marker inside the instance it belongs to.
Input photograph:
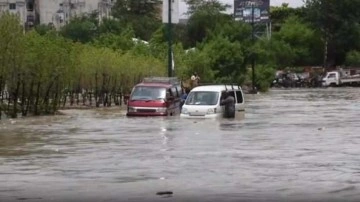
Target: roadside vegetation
(87, 62)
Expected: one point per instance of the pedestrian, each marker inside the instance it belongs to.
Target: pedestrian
(228, 102)
(195, 80)
(184, 96)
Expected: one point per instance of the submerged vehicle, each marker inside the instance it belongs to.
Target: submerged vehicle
(155, 96)
(205, 101)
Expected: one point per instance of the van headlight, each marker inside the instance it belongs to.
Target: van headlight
(211, 111)
(131, 109)
(184, 111)
(161, 109)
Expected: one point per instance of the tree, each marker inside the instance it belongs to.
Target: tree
(43, 29)
(337, 21)
(279, 14)
(205, 16)
(81, 29)
(11, 58)
(303, 41)
(142, 15)
(123, 41)
(274, 52)
(113, 26)
(353, 58)
(226, 59)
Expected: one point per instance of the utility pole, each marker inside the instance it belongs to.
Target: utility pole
(253, 43)
(169, 29)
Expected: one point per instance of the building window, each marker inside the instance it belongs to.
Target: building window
(12, 6)
(30, 6)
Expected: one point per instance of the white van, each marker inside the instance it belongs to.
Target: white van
(204, 101)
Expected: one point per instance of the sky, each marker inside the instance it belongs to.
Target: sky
(292, 3)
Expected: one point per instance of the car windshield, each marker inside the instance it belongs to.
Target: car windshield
(148, 93)
(202, 98)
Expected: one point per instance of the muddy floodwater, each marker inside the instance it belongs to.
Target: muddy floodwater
(291, 145)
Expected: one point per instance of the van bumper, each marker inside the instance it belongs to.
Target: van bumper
(206, 116)
(146, 114)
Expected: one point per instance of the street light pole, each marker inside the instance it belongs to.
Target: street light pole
(169, 29)
(253, 42)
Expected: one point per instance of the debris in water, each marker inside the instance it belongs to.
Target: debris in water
(161, 193)
(162, 178)
(323, 128)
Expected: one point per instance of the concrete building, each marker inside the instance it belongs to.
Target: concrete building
(18, 7)
(54, 12)
(104, 8)
(59, 12)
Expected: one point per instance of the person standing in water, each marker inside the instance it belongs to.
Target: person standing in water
(229, 105)
(184, 96)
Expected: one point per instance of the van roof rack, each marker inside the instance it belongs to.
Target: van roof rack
(226, 85)
(169, 80)
(232, 86)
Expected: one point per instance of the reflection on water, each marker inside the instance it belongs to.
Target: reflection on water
(289, 144)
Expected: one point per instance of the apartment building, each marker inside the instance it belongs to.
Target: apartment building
(54, 12)
(23, 8)
(59, 12)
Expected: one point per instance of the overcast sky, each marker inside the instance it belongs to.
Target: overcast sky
(292, 3)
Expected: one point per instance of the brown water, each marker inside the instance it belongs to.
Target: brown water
(292, 145)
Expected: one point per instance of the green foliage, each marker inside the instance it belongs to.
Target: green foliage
(226, 59)
(142, 15)
(113, 26)
(274, 52)
(198, 61)
(265, 74)
(42, 70)
(82, 29)
(281, 13)
(338, 23)
(123, 41)
(205, 17)
(353, 58)
(43, 29)
(300, 37)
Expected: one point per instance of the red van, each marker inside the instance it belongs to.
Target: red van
(155, 96)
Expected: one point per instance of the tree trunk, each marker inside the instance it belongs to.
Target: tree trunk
(56, 96)
(97, 103)
(37, 99)
(103, 90)
(47, 96)
(23, 98)
(1, 95)
(15, 98)
(30, 97)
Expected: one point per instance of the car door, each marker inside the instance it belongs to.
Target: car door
(174, 103)
(239, 104)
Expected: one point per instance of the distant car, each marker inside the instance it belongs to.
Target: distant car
(155, 96)
(204, 101)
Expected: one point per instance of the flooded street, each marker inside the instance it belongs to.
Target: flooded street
(292, 145)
